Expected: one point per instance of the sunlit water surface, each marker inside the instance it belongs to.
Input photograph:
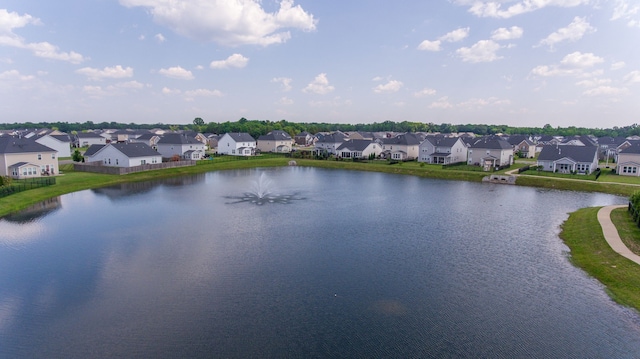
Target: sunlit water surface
(299, 262)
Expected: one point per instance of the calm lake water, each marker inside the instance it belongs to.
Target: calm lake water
(333, 264)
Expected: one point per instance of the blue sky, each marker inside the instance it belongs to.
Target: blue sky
(518, 63)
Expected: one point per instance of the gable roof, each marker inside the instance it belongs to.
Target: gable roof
(632, 149)
(442, 141)
(241, 137)
(491, 142)
(22, 145)
(406, 139)
(177, 139)
(576, 153)
(275, 135)
(88, 135)
(132, 150)
(93, 149)
(355, 145)
(336, 137)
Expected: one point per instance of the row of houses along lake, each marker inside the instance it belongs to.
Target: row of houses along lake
(35, 153)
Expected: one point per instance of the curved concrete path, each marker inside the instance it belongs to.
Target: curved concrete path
(611, 233)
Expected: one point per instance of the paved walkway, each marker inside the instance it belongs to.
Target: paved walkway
(611, 233)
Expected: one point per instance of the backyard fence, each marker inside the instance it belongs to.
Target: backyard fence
(98, 167)
(26, 184)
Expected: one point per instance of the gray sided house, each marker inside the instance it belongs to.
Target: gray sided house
(569, 159)
(442, 150)
(490, 152)
(181, 145)
(122, 154)
(328, 144)
(60, 143)
(360, 149)
(523, 145)
(403, 147)
(85, 139)
(275, 141)
(304, 138)
(629, 161)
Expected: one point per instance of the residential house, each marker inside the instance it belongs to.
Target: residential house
(85, 139)
(610, 146)
(403, 147)
(304, 138)
(123, 154)
(149, 139)
(523, 145)
(569, 159)
(26, 158)
(275, 141)
(60, 143)
(181, 145)
(327, 144)
(490, 152)
(360, 149)
(442, 150)
(629, 161)
(237, 144)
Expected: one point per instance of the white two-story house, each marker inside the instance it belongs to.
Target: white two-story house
(237, 144)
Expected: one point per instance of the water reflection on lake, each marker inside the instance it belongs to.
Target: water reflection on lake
(361, 265)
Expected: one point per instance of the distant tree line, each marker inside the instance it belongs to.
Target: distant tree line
(257, 128)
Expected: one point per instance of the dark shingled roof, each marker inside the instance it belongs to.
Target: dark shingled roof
(241, 137)
(407, 139)
(21, 145)
(632, 149)
(492, 143)
(275, 135)
(442, 141)
(177, 139)
(132, 150)
(93, 149)
(355, 145)
(576, 153)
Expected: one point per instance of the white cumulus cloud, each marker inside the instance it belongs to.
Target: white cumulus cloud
(12, 20)
(389, 87)
(573, 32)
(189, 95)
(579, 59)
(495, 9)
(573, 64)
(427, 45)
(285, 101)
(228, 22)
(115, 72)
(320, 85)
(285, 82)
(605, 91)
(176, 72)
(452, 36)
(514, 32)
(632, 77)
(425, 92)
(15, 75)
(441, 103)
(481, 51)
(625, 10)
(235, 60)
(160, 38)
(455, 35)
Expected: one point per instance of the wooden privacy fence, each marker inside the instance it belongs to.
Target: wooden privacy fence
(98, 167)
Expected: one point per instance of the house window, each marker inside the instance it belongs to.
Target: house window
(53, 156)
(143, 162)
(39, 156)
(116, 161)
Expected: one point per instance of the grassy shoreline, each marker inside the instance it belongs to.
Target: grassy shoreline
(76, 181)
(582, 233)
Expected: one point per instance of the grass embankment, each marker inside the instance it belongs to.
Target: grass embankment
(589, 251)
(619, 189)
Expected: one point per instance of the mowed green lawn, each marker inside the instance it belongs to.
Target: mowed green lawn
(589, 250)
